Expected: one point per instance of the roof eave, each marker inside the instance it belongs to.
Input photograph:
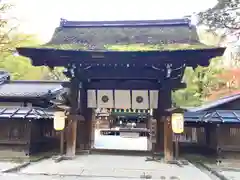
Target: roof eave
(203, 55)
(133, 23)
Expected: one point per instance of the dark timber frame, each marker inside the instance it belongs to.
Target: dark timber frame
(101, 69)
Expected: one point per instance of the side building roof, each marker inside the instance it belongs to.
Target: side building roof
(216, 103)
(213, 113)
(22, 113)
(218, 116)
(30, 89)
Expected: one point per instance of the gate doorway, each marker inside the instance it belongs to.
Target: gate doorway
(122, 129)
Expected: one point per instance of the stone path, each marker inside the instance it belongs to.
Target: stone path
(231, 175)
(229, 168)
(5, 165)
(41, 177)
(112, 167)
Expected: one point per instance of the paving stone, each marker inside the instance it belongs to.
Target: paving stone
(110, 166)
(4, 165)
(41, 177)
(231, 175)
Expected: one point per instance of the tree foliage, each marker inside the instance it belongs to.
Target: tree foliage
(200, 83)
(226, 14)
(230, 84)
(19, 67)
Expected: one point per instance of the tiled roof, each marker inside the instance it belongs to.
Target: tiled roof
(25, 113)
(30, 89)
(216, 103)
(218, 116)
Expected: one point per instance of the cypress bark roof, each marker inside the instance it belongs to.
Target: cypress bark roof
(103, 35)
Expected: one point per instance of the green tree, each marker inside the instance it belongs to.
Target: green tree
(200, 83)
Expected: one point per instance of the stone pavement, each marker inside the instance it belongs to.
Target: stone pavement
(229, 168)
(231, 175)
(109, 167)
(42, 177)
(5, 165)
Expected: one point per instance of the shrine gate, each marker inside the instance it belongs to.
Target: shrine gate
(107, 77)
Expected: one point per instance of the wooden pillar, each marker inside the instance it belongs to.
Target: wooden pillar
(82, 129)
(93, 129)
(72, 121)
(168, 140)
(159, 146)
(164, 141)
(85, 127)
(62, 142)
(88, 128)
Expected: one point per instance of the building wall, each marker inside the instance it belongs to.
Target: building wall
(223, 138)
(229, 137)
(14, 138)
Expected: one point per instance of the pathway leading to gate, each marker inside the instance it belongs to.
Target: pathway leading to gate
(111, 167)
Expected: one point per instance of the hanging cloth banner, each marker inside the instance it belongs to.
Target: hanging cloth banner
(129, 111)
(59, 120)
(177, 123)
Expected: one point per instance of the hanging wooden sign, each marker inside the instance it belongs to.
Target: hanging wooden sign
(177, 123)
(59, 120)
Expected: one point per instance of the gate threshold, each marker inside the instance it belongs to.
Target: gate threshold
(120, 152)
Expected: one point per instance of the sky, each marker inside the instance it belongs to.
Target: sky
(41, 17)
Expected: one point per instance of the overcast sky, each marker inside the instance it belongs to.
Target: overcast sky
(42, 16)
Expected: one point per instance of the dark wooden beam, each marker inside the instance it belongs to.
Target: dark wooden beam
(53, 57)
(130, 84)
(159, 73)
(119, 73)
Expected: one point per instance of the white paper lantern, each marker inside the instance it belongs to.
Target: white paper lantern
(59, 120)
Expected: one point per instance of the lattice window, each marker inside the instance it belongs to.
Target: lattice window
(17, 131)
(189, 135)
(234, 131)
(194, 134)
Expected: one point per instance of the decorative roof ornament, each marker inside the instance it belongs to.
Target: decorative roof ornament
(62, 22)
(169, 70)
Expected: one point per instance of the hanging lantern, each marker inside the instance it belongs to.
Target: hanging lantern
(59, 120)
(177, 123)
